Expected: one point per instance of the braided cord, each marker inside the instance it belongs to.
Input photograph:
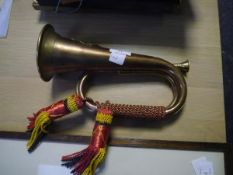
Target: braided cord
(135, 111)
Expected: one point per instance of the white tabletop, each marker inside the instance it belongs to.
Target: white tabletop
(45, 160)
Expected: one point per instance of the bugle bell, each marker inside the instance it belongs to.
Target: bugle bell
(57, 54)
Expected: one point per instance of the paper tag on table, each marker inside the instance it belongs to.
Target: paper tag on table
(118, 56)
(202, 166)
(5, 10)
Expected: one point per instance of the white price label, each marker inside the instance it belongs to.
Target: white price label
(118, 56)
(120, 52)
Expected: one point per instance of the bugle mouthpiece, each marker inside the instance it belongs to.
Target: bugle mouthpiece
(183, 66)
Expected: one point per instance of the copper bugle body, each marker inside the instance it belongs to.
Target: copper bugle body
(57, 54)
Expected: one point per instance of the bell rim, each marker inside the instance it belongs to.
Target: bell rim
(40, 58)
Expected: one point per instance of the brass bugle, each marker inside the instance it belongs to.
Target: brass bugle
(57, 54)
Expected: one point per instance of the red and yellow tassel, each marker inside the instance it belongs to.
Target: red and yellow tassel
(39, 122)
(85, 162)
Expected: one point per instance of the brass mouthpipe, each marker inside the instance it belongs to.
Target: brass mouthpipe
(57, 54)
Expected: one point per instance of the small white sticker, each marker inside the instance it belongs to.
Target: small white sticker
(206, 168)
(118, 56)
(120, 52)
(202, 166)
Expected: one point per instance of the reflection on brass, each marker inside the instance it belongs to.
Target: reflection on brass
(57, 54)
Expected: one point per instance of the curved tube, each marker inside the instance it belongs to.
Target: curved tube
(57, 54)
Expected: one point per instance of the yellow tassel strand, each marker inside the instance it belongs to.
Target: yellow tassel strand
(42, 121)
(99, 157)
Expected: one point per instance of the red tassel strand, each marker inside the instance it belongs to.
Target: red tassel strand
(85, 162)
